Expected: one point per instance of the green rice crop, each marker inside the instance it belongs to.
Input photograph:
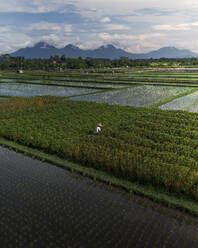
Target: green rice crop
(150, 146)
(143, 76)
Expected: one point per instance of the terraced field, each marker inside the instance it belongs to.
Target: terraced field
(134, 89)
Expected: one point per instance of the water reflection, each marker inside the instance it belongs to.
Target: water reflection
(27, 90)
(46, 206)
(143, 96)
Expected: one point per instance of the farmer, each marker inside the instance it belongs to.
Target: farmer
(98, 128)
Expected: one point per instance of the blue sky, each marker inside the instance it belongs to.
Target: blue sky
(134, 25)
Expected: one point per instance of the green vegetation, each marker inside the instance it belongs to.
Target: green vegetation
(56, 63)
(144, 150)
(121, 78)
(20, 103)
(149, 146)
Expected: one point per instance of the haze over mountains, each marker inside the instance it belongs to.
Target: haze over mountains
(44, 50)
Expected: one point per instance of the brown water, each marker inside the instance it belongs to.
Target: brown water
(42, 205)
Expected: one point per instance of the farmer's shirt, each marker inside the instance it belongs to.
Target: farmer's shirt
(98, 129)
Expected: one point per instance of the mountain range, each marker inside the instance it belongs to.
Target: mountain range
(44, 50)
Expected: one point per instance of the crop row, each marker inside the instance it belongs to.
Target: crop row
(139, 77)
(136, 143)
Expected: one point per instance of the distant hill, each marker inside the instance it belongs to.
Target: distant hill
(170, 52)
(44, 50)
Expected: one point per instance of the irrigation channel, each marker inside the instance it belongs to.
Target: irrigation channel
(43, 205)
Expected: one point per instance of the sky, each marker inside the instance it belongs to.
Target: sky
(137, 26)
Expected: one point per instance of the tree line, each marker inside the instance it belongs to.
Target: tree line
(59, 63)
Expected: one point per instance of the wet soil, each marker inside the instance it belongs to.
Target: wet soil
(42, 205)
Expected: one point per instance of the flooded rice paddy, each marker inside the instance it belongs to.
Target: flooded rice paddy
(189, 103)
(46, 206)
(28, 90)
(140, 96)
(64, 83)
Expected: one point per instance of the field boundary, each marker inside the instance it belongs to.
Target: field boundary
(170, 99)
(158, 195)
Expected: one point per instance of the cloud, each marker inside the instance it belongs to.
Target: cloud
(194, 24)
(101, 7)
(110, 37)
(59, 40)
(58, 34)
(128, 7)
(5, 29)
(155, 12)
(68, 28)
(37, 6)
(47, 28)
(137, 25)
(177, 27)
(105, 19)
(44, 26)
(115, 27)
(133, 43)
(11, 39)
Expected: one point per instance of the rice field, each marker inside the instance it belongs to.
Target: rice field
(45, 206)
(140, 96)
(188, 103)
(27, 90)
(141, 89)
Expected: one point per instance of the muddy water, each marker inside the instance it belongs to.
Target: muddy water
(45, 206)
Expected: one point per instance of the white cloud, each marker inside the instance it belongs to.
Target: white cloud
(11, 40)
(44, 26)
(125, 23)
(110, 37)
(133, 43)
(84, 7)
(68, 28)
(115, 27)
(90, 44)
(5, 29)
(179, 27)
(105, 20)
(127, 7)
(194, 24)
(34, 6)
(60, 40)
